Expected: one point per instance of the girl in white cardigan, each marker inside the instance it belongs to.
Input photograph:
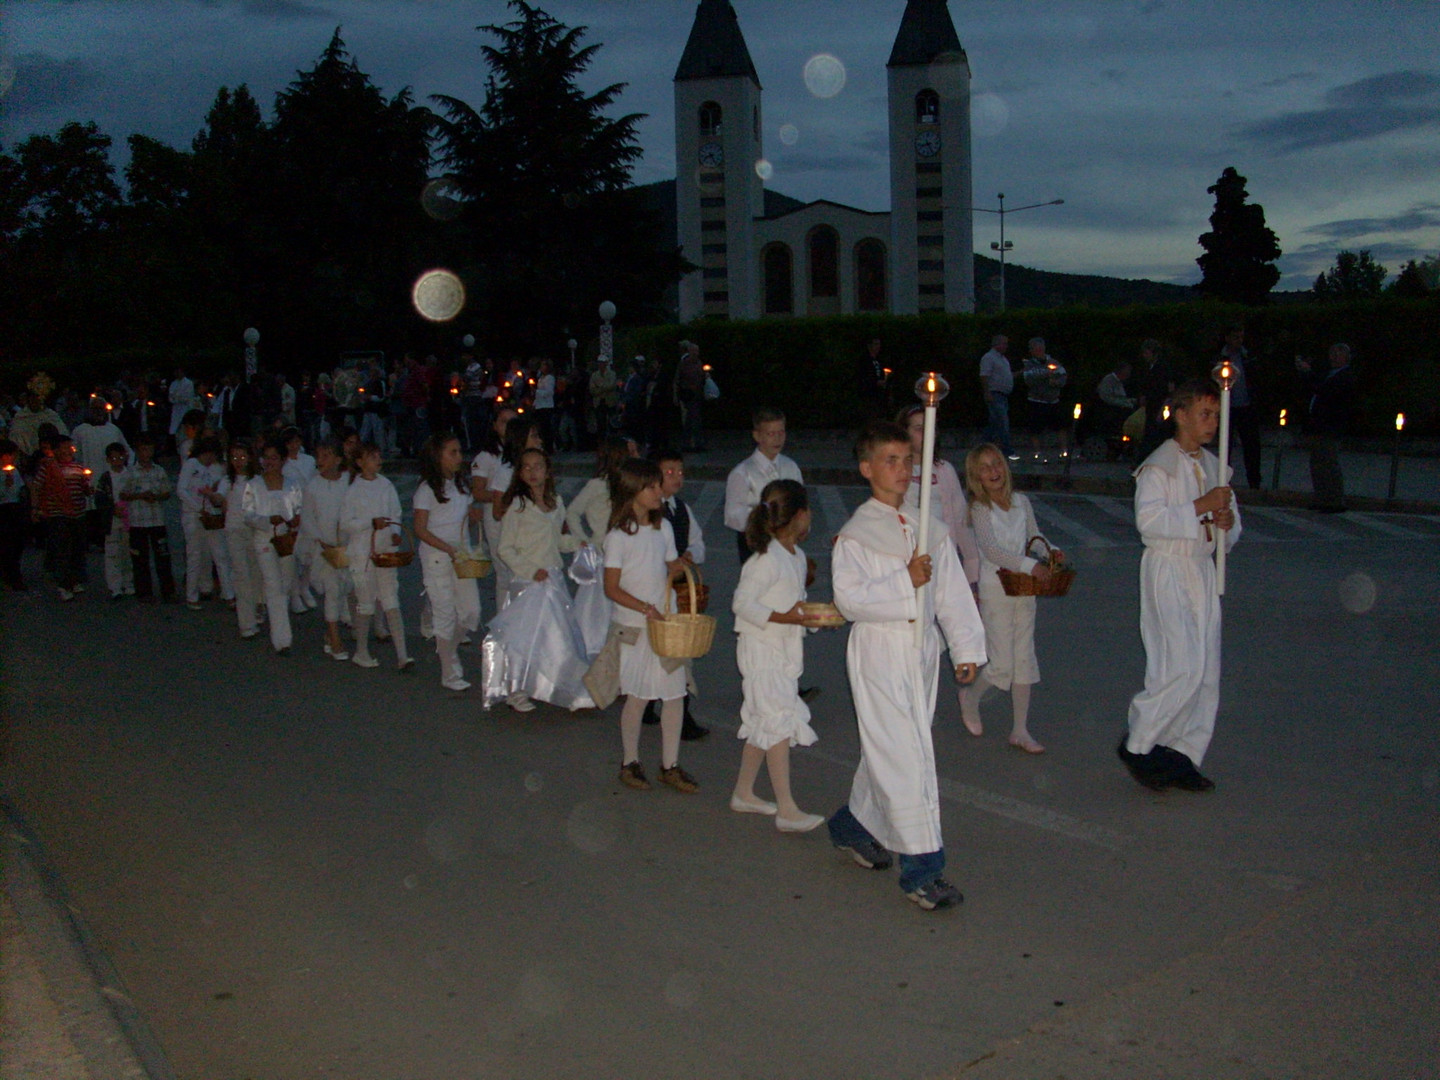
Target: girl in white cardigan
(769, 651)
(1003, 522)
(370, 521)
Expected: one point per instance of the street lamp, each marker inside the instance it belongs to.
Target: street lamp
(1005, 245)
(572, 344)
(607, 332)
(252, 361)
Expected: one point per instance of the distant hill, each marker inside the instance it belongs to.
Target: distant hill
(1024, 287)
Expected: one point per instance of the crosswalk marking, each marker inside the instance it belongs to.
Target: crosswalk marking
(1119, 509)
(1296, 521)
(1389, 528)
(1046, 512)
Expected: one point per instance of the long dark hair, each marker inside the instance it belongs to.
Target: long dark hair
(517, 434)
(610, 456)
(430, 471)
(519, 490)
(490, 441)
(779, 503)
(633, 477)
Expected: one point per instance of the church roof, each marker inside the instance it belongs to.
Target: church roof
(716, 48)
(926, 32)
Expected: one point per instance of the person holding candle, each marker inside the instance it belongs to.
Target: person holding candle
(370, 521)
(145, 488)
(1004, 522)
(272, 508)
(770, 634)
(588, 519)
(442, 507)
(1183, 509)
(1045, 377)
(58, 498)
(244, 563)
(883, 584)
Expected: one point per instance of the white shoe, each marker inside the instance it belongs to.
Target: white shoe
(520, 703)
(364, 661)
(341, 655)
(251, 634)
(751, 806)
(297, 608)
(406, 665)
(455, 684)
(804, 823)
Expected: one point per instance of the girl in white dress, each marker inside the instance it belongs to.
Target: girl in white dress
(640, 562)
(770, 653)
(272, 508)
(1003, 522)
(370, 517)
(244, 564)
(488, 485)
(442, 507)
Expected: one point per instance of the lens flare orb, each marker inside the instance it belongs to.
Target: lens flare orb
(438, 295)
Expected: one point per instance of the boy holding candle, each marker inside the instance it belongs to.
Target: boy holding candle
(883, 583)
(1183, 508)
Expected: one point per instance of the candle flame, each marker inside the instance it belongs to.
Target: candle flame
(704, 367)
(886, 370)
(108, 406)
(1053, 367)
(454, 390)
(1225, 372)
(1400, 421)
(1165, 413)
(88, 472)
(7, 468)
(1283, 415)
(1077, 410)
(930, 384)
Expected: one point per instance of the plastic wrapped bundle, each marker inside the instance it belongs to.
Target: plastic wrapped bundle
(592, 606)
(534, 647)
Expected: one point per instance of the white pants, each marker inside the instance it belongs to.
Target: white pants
(205, 548)
(245, 575)
(374, 584)
(454, 602)
(279, 577)
(119, 570)
(334, 584)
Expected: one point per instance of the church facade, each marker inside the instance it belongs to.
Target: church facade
(824, 258)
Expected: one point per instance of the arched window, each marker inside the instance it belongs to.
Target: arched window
(779, 280)
(824, 262)
(710, 115)
(927, 107)
(870, 290)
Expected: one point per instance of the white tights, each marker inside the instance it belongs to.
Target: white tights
(672, 713)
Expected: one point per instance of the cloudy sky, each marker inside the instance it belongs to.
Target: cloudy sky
(1127, 109)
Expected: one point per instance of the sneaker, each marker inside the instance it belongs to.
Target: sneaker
(632, 775)
(868, 853)
(456, 684)
(364, 661)
(936, 895)
(520, 703)
(679, 779)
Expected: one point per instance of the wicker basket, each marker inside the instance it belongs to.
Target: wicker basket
(682, 597)
(682, 636)
(390, 560)
(822, 615)
(1058, 584)
(470, 565)
(283, 543)
(335, 555)
(212, 520)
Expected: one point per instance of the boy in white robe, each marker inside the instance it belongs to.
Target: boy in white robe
(882, 584)
(1182, 508)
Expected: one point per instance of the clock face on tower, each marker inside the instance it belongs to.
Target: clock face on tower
(712, 153)
(927, 143)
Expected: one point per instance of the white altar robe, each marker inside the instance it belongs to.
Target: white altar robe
(1179, 610)
(895, 793)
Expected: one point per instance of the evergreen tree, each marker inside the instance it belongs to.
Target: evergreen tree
(1351, 277)
(1411, 282)
(1240, 251)
(550, 226)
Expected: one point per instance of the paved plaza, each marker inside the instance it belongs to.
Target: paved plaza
(296, 868)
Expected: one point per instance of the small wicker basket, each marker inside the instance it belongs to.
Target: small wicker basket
(212, 520)
(1062, 575)
(682, 597)
(470, 565)
(682, 636)
(390, 560)
(335, 555)
(283, 543)
(822, 615)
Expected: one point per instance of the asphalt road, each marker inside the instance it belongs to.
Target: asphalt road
(302, 869)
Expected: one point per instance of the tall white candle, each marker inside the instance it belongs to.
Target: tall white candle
(927, 465)
(1225, 381)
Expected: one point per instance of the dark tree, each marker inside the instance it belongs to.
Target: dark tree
(550, 226)
(1240, 251)
(1410, 283)
(1351, 277)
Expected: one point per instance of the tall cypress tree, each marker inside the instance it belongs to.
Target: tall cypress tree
(1240, 251)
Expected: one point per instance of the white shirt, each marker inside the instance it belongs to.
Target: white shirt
(995, 370)
(447, 519)
(641, 557)
(545, 392)
(299, 468)
(695, 542)
(748, 479)
(321, 508)
(193, 476)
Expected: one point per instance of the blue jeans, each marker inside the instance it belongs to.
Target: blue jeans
(916, 871)
(998, 429)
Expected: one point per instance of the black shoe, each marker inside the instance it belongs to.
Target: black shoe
(1147, 769)
(809, 694)
(690, 730)
(1183, 773)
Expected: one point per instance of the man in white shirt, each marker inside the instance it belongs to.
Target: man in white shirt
(748, 479)
(998, 381)
(182, 400)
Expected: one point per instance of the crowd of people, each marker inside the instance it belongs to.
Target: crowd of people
(274, 531)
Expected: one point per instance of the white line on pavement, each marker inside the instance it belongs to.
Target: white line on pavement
(1389, 528)
(833, 509)
(1295, 521)
(1050, 516)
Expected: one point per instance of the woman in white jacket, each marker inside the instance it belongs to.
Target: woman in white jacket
(370, 522)
(272, 508)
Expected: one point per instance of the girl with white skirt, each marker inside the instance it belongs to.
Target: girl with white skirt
(1003, 522)
(244, 563)
(320, 512)
(769, 650)
(442, 506)
(370, 522)
(272, 508)
(640, 562)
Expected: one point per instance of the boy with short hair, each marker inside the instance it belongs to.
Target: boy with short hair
(145, 489)
(748, 479)
(1183, 508)
(883, 583)
(115, 522)
(206, 555)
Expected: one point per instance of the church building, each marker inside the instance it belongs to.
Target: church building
(823, 258)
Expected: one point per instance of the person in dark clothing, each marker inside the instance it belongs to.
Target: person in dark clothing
(1157, 382)
(1331, 408)
(1244, 410)
(870, 382)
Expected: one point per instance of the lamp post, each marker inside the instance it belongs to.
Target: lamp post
(931, 388)
(1004, 245)
(1395, 456)
(572, 345)
(252, 360)
(607, 332)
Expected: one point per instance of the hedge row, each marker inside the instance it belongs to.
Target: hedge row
(807, 366)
